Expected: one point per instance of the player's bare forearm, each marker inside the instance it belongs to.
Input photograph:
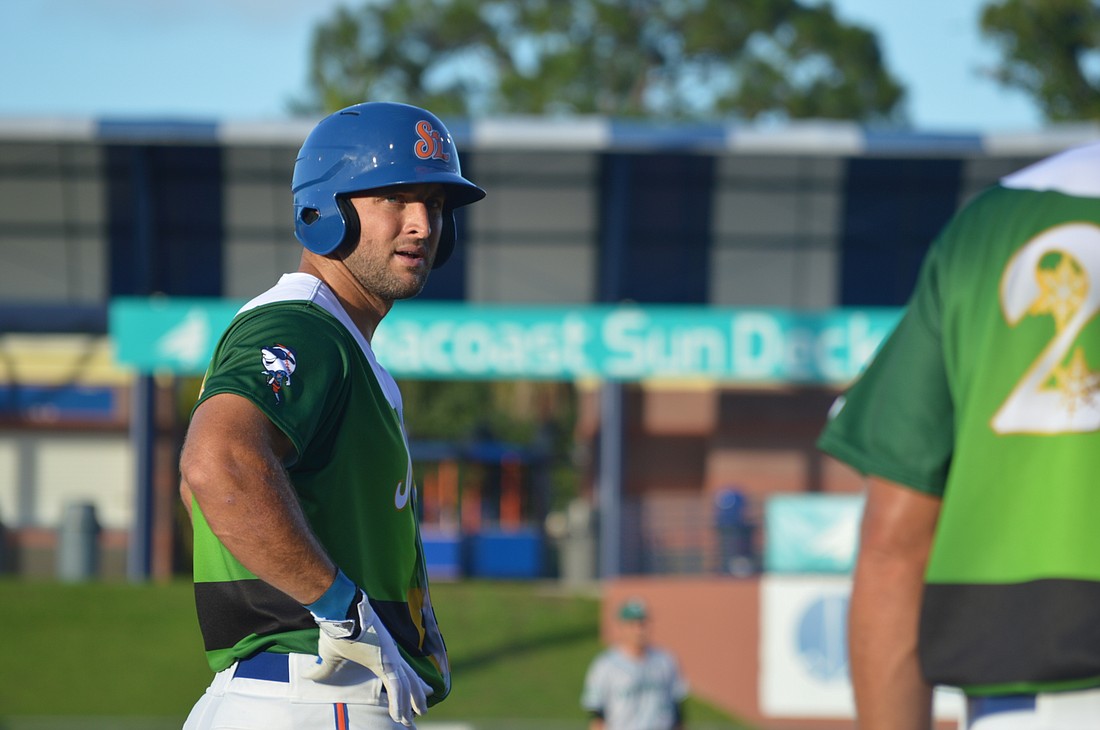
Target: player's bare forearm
(232, 465)
(889, 691)
(897, 531)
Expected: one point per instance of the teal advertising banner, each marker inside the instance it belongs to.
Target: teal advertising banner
(812, 533)
(162, 334)
(473, 341)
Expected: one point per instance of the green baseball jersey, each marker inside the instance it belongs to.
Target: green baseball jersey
(987, 394)
(295, 354)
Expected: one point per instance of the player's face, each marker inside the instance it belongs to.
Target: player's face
(399, 235)
(633, 633)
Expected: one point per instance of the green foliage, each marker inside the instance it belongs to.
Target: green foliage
(1050, 50)
(669, 59)
(464, 410)
(116, 655)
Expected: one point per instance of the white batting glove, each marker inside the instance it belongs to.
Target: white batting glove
(361, 638)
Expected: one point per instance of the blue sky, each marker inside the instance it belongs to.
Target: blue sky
(243, 59)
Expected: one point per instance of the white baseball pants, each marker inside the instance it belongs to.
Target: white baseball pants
(277, 698)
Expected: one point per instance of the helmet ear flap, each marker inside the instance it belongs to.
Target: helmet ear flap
(320, 225)
(351, 221)
(446, 240)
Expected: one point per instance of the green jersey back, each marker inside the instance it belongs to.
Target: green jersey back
(295, 354)
(988, 394)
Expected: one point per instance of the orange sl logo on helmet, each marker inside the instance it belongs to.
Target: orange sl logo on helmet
(430, 146)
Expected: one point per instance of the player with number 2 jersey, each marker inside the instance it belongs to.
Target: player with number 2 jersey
(986, 399)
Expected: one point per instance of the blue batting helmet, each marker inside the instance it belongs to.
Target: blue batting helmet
(367, 146)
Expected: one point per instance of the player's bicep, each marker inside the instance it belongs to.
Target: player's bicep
(230, 443)
(898, 521)
(300, 385)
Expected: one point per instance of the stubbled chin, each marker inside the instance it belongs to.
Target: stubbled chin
(411, 283)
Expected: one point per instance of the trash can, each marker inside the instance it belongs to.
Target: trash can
(78, 543)
(578, 544)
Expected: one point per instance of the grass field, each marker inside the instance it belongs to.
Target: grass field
(122, 656)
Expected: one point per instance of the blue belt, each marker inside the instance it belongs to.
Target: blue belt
(265, 665)
(978, 707)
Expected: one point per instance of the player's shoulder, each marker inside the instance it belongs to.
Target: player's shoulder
(660, 654)
(604, 656)
(294, 314)
(1075, 171)
(289, 321)
(287, 329)
(610, 660)
(298, 303)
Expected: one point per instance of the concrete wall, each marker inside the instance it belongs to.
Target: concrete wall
(43, 472)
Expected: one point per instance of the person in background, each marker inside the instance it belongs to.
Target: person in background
(633, 685)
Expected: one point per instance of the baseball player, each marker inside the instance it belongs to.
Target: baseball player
(978, 424)
(310, 581)
(634, 685)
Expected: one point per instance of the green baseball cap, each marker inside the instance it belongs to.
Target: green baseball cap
(632, 610)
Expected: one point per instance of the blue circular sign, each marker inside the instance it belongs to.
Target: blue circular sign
(823, 638)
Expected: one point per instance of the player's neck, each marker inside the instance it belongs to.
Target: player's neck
(364, 310)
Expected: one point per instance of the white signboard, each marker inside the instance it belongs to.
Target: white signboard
(804, 650)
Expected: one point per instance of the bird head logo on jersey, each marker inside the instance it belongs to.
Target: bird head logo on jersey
(279, 363)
